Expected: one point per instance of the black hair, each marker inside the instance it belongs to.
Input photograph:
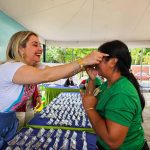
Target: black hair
(118, 49)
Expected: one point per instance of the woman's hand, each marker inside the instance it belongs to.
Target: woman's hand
(88, 100)
(94, 57)
(38, 102)
(90, 86)
(92, 72)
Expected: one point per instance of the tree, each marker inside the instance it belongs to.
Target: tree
(65, 55)
(137, 53)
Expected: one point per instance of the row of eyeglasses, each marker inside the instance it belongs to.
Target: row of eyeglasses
(66, 110)
(44, 140)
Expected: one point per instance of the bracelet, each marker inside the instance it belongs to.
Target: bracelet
(89, 109)
(80, 62)
(76, 64)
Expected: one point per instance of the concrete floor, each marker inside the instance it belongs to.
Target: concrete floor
(146, 116)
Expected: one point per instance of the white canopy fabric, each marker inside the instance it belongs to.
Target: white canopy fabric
(83, 23)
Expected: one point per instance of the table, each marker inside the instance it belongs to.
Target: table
(52, 91)
(64, 112)
(55, 135)
(51, 137)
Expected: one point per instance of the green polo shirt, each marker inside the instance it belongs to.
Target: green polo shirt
(121, 104)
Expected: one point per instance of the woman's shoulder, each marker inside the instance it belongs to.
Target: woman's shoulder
(125, 84)
(10, 66)
(12, 63)
(125, 87)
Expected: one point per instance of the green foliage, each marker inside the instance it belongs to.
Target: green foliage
(66, 55)
(146, 56)
(140, 55)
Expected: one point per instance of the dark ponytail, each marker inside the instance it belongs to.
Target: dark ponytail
(129, 75)
(117, 49)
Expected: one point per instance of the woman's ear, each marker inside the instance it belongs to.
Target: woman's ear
(113, 62)
(116, 60)
(21, 50)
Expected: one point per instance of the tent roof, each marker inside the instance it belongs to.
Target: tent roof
(83, 22)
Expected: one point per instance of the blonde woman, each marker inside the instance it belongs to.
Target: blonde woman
(22, 71)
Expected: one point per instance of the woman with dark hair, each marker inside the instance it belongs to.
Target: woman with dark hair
(69, 82)
(116, 112)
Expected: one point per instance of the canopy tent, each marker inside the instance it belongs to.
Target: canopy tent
(83, 23)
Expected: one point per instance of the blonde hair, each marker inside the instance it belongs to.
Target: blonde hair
(17, 41)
